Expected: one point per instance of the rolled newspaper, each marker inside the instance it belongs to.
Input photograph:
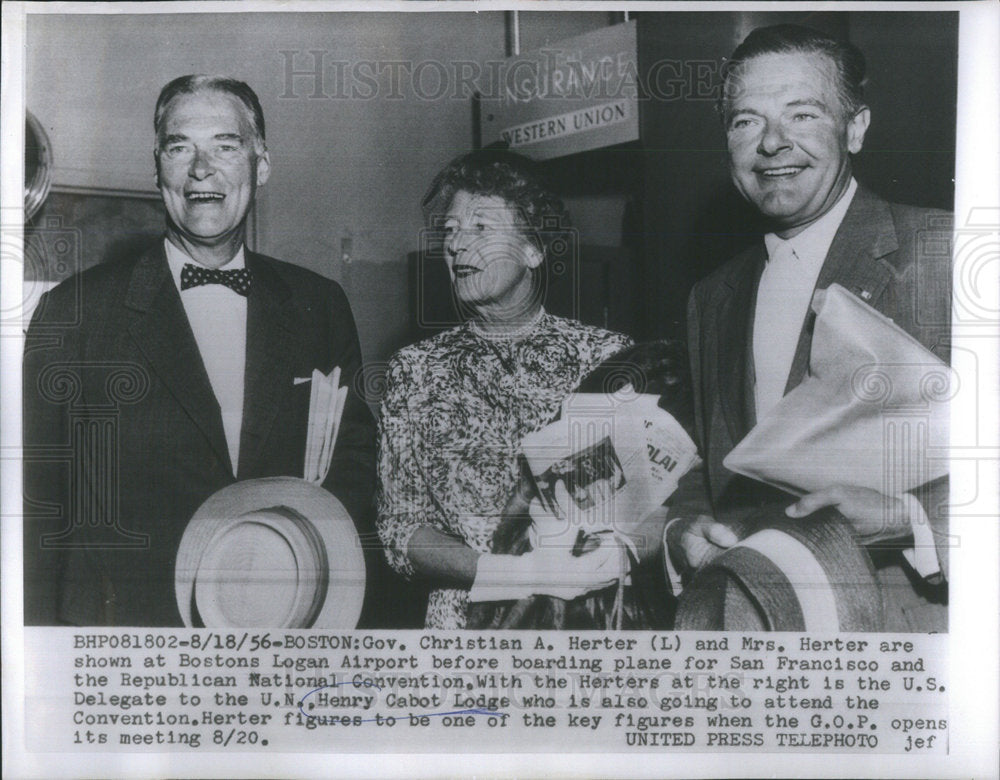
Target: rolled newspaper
(618, 457)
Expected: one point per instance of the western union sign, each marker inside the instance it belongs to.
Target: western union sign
(571, 96)
(580, 121)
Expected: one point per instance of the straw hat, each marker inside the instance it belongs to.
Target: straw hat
(277, 552)
(786, 575)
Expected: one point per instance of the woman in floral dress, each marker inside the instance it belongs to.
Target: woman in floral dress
(457, 405)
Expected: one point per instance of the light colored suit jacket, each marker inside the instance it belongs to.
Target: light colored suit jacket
(897, 259)
(124, 436)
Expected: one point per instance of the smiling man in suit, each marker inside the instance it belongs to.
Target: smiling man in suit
(177, 378)
(794, 113)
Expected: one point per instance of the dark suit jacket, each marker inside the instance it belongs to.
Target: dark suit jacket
(897, 258)
(124, 436)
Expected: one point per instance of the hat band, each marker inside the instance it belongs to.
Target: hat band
(810, 581)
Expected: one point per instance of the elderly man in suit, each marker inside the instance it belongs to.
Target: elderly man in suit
(151, 384)
(794, 113)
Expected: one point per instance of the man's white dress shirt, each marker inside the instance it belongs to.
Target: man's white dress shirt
(218, 318)
(783, 297)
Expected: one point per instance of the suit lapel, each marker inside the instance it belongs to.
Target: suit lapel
(161, 331)
(866, 235)
(735, 329)
(270, 360)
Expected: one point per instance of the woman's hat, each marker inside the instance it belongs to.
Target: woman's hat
(786, 575)
(277, 552)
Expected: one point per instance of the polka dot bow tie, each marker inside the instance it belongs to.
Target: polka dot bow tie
(236, 279)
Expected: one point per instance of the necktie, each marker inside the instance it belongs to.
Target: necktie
(236, 279)
(781, 308)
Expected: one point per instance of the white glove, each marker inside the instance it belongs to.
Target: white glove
(550, 568)
(548, 530)
(549, 571)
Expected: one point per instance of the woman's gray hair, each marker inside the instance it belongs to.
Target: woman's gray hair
(515, 179)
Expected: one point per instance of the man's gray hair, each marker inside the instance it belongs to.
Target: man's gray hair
(194, 83)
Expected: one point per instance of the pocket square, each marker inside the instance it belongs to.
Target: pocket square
(301, 380)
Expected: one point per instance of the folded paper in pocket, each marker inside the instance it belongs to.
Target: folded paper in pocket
(873, 411)
(326, 406)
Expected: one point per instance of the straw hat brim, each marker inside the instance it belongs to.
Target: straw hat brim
(786, 575)
(296, 523)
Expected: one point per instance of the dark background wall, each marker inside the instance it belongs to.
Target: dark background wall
(909, 153)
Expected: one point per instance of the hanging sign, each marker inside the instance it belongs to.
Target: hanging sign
(571, 96)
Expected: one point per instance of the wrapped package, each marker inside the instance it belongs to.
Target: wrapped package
(872, 412)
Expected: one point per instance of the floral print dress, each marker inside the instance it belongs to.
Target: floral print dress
(456, 407)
